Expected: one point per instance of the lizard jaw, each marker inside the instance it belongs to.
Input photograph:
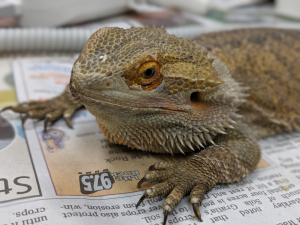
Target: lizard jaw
(169, 132)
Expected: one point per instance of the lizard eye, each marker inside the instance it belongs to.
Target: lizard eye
(148, 76)
(149, 73)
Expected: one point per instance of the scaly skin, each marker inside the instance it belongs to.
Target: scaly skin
(154, 92)
(61, 106)
(267, 61)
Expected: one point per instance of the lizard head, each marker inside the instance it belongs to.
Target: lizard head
(153, 91)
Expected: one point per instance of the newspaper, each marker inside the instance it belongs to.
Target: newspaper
(75, 176)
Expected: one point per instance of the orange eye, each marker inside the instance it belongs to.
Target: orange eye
(148, 76)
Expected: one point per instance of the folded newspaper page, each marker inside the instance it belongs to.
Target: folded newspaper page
(75, 176)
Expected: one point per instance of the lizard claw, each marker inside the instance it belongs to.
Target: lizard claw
(141, 200)
(46, 123)
(6, 108)
(69, 122)
(151, 168)
(140, 182)
(197, 211)
(24, 119)
(166, 214)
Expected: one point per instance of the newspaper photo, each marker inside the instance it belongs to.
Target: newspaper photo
(76, 176)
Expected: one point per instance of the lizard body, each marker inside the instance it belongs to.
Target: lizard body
(154, 92)
(267, 61)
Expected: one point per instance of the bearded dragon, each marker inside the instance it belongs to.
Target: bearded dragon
(152, 91)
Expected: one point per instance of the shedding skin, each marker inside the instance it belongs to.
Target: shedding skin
(154, 92)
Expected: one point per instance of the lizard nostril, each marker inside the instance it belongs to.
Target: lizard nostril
(108, 84)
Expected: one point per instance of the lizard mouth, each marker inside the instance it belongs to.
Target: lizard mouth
(90, 99)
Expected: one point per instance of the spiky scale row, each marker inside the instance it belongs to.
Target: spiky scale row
(171, 140)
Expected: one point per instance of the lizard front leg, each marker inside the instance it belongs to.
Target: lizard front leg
(64, 105)
(234, 156)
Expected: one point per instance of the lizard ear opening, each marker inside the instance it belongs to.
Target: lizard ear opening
(197, 102)
(195, 97)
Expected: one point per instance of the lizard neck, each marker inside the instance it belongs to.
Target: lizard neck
(187, 134)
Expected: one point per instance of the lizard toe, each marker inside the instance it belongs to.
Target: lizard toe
(51, 110)
(173, 198)
(68, 114)
(35, 114)
(52, 116)
(23, 107)
(155, 176)
(177, 193)
(176, 181)
(156, 190)
(161, 166)
(6, 108)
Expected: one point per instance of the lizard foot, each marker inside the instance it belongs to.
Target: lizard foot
(176, 181)
(62, 106)
(233, 158)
